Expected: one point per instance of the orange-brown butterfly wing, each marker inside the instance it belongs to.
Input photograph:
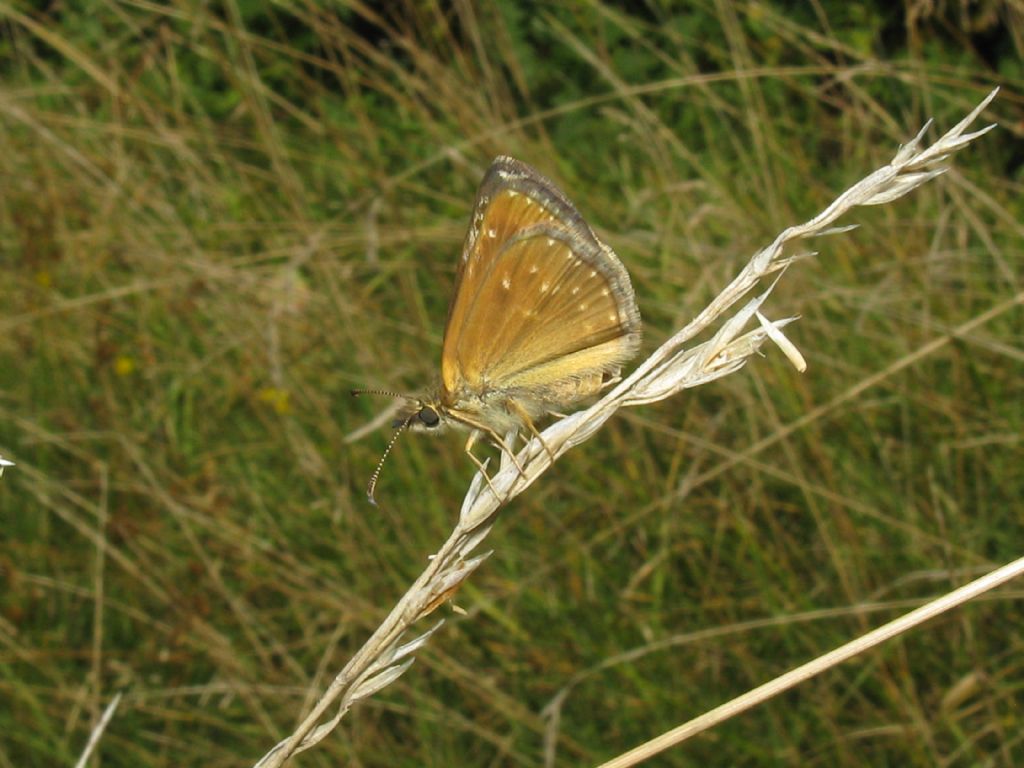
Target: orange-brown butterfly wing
(538, 300)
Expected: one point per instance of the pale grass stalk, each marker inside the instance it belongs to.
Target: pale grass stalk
(97, 732)
(815, 667)
(672, 368)
(552, 711)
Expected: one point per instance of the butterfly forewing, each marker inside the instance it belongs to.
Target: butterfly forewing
(538, 299)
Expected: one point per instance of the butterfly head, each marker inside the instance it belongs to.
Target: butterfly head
(421, 414)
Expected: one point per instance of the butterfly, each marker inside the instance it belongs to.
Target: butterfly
(543, 315)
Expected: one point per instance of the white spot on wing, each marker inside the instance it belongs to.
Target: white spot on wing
(583, 306)
(593, 273)
(492, 232)
(533, 270)
(575, 290)
(506, 282)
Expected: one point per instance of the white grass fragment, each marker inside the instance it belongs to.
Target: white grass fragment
(788, 347)
(101, 726)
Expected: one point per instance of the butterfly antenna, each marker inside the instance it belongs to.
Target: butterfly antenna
(372, 486)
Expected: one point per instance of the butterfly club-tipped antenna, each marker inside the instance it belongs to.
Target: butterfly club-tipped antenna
(372, 485)
(401, 424)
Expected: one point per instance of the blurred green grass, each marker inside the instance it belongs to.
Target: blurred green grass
(216, 220)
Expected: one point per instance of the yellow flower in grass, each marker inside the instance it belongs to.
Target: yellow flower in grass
(124, 365)
(276, 398)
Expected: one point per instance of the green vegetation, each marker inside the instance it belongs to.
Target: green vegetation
(216, 220)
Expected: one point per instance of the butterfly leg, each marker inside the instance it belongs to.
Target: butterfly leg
(502, 445)
(610, 381)
(480, 465)
(477, 429)
(525, 416)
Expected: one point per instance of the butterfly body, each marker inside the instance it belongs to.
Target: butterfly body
(543, 314)
(499, 410)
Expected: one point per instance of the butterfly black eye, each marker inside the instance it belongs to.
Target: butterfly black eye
(428, 417)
